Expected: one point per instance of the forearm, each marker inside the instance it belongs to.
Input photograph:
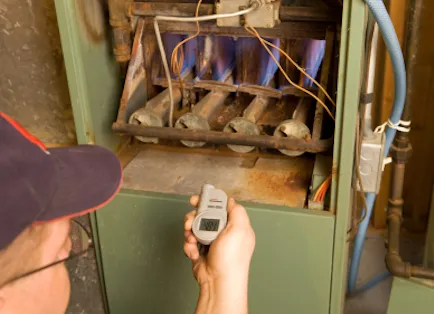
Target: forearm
(223, 297)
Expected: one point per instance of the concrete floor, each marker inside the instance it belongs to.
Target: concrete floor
(375, 300)
(86, 297)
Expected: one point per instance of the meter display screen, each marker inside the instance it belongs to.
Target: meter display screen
(209, 224)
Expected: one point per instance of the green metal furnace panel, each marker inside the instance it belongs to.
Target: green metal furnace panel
(300, 260)
(146, 271)
(408, 296)
(94, 79)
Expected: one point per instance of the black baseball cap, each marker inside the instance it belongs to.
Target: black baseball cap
(39, 184)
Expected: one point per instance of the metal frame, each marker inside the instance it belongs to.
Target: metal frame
(94, 111)
(350, 73)
(91, 128)
(141, 74)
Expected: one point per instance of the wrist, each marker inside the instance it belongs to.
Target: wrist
(224, 296)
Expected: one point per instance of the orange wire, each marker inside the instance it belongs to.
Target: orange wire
(178, 63)
(322, 190)
(264, 43)
(296, 65)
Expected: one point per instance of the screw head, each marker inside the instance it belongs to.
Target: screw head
(269, 7)
(270, 25)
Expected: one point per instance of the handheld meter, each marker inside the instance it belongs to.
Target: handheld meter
(211, 215)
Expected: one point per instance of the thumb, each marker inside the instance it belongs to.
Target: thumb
(237, 214)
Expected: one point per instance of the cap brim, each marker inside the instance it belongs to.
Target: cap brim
(88, 177)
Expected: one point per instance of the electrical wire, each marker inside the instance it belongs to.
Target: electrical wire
(305, 73)
(301, 70)
(253, 7)
(178, 63)
(322, 190)
(264, 43)
(359, 126)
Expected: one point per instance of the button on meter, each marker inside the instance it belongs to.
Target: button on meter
(211, 215)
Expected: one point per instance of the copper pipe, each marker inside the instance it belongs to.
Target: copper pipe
(401, 152)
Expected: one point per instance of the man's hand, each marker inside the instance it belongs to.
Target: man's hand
(223, 273)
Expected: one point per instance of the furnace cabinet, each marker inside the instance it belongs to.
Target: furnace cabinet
(300, 262)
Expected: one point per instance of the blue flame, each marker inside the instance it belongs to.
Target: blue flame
(223, 62)
(171, 40)
(260, 59)
(315, 50)
(252, 45)
(268, 66)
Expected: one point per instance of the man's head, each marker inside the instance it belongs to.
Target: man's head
(40, 190)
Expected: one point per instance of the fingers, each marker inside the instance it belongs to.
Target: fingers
(231, 204)
(192, 251)
(190, 244)
(189, 237)
(194, 200)
(188, 220)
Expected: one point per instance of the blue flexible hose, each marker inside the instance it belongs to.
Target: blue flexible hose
(391, 40)
(371, 284)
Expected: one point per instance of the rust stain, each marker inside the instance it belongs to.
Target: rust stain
(90, 135)
(135, 72)
(249, 162)
(278, 111)
(287, 187)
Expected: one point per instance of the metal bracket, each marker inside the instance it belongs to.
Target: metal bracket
(265, 16)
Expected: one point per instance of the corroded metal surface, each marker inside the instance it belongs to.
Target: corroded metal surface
(155, 113)
(289, 30)
(302, 110)
(256, 108)
(214, 137)
(134, 81)
(325, 73)
(292, 129)
(119, 20)
(143, 80)
(201, 115)
(247, 123)
(287, 13)
(279, 181)
(255, 90)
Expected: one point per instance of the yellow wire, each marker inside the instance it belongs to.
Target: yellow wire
(302, 71)
(176, 63)
(253, 32)
(322, 189)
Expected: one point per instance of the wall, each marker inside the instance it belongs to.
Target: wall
(420, 171)
(34, 91)
(33, 86)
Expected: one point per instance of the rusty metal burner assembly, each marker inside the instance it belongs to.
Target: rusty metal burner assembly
(231, 82)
